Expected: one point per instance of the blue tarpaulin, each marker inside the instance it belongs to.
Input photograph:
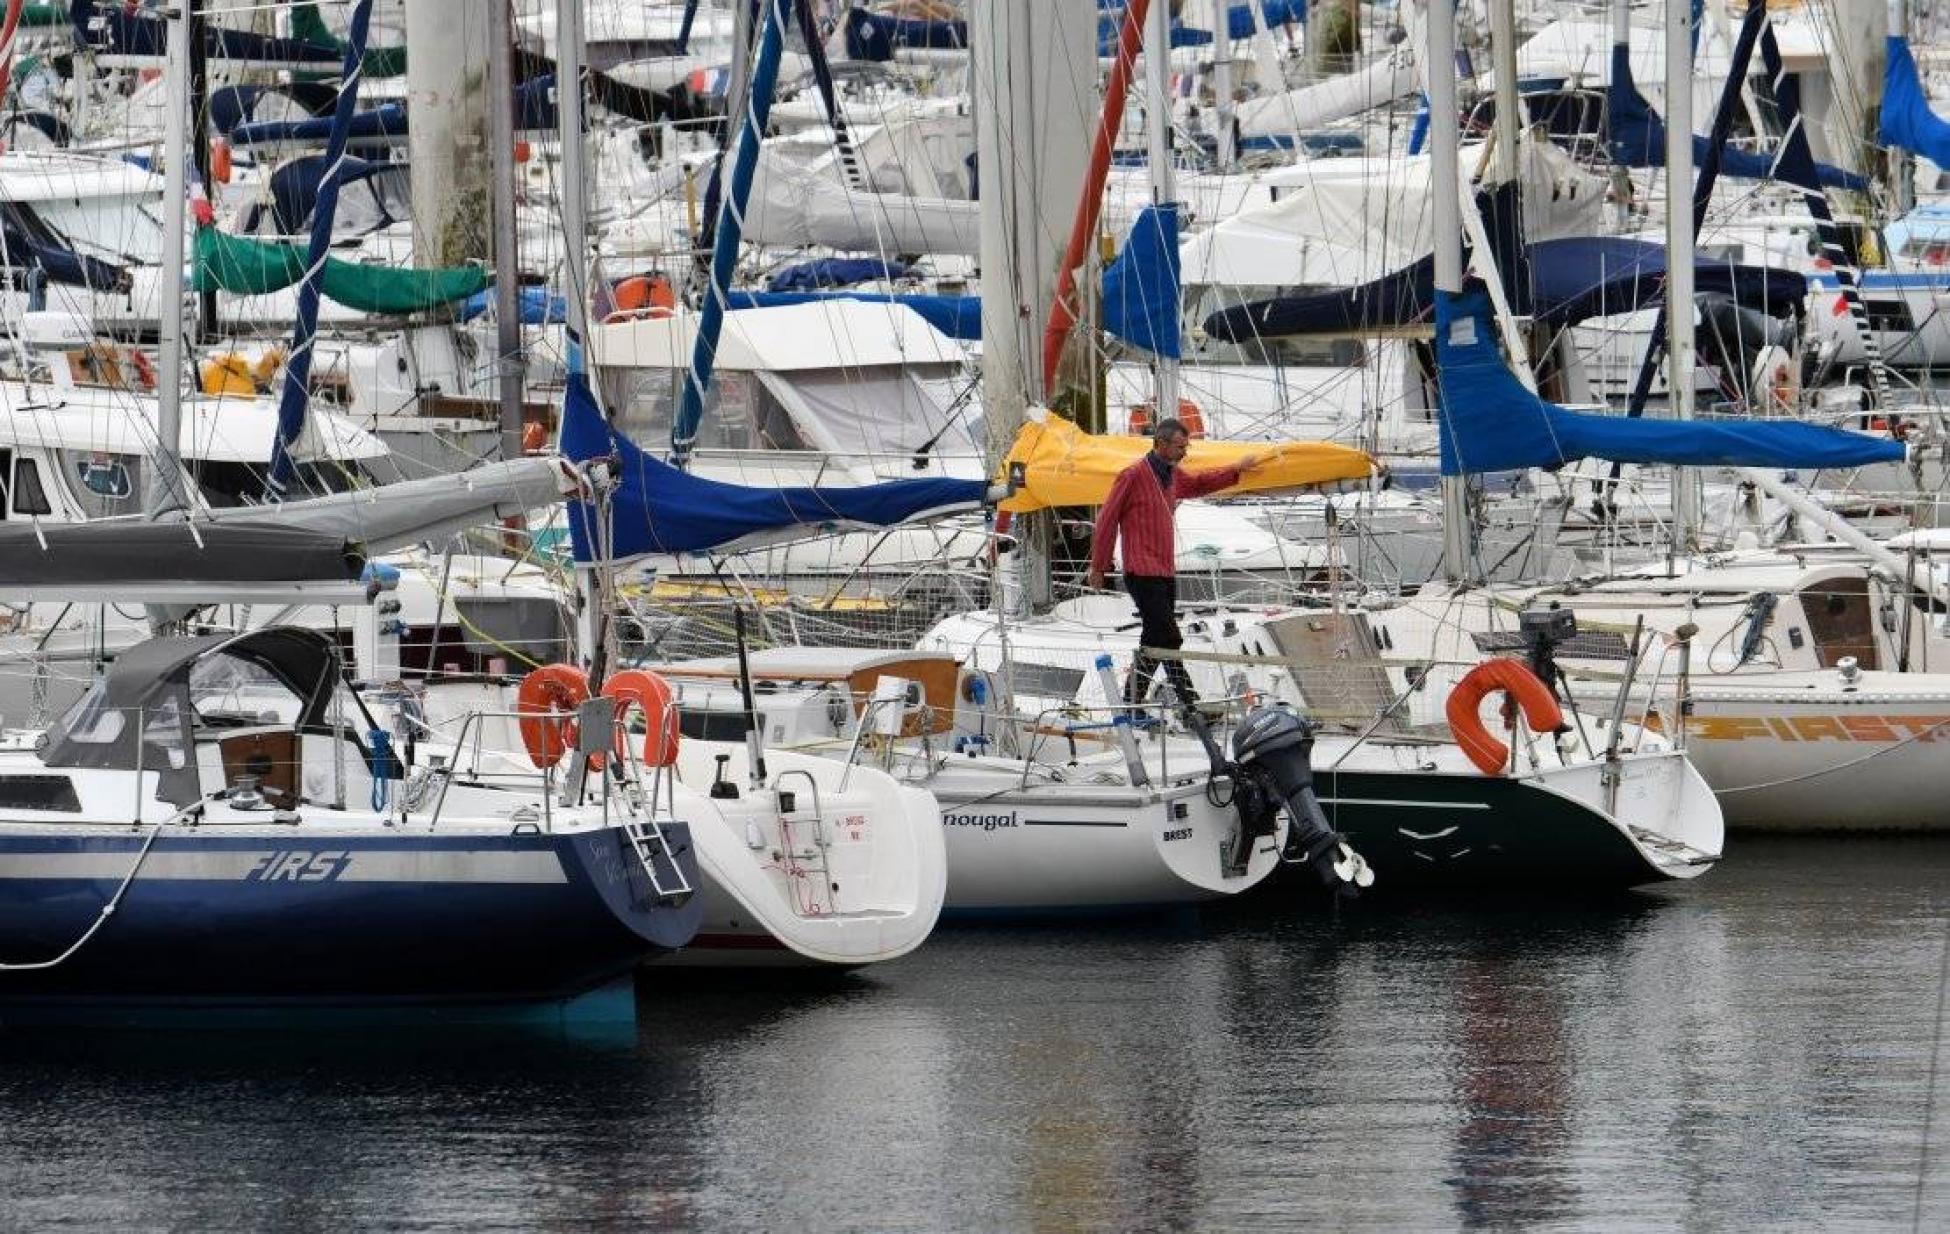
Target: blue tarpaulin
(958, 317)
(1907, 120)
(1490, 422)
(657, 508)
(827, 272)
(536, 306)
(1638, 137)
(1141, 286)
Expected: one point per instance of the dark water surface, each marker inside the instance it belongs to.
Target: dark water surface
(1751, 1051)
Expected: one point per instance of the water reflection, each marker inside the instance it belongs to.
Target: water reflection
(1754, 1049)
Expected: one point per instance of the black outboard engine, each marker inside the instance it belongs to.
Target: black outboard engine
(1274, 749)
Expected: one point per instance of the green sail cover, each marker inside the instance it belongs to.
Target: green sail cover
(251, 267)
(306, 24)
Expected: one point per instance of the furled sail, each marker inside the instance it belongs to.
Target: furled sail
(1491, 422)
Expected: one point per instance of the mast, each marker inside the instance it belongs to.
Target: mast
(451, 157)
(1679, 256)
(508, 359)
(575, 183)
(1445, 196)
(168, 494)
(730, 228)
(1035, 82)
(1164, 178)
(1222, 82)
(206, 300)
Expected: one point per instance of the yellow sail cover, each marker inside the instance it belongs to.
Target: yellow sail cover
(1065, 466)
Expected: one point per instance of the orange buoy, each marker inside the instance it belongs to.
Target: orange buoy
(651, 693)
(547, 701)
(522, 152)
(220, 160)
(534, 437)
(1514, 679)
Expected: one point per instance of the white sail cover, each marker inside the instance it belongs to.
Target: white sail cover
(793, 207)
(1339, 222)
(1337, 98)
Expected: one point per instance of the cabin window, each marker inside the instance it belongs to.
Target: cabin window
(105, 478)
(104, 484)
(94, 722)
(54, 794)
(29, 496)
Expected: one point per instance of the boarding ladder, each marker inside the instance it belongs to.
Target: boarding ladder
(650, 842)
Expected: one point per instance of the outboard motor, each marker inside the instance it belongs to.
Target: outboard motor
(1274, 752)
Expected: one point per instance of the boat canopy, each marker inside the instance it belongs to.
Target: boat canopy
(1491, 422)
(140, 714)
(657, 508)
(1065, 466)
(1907, 121)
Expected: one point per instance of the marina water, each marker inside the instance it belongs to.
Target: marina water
(1751, 1051)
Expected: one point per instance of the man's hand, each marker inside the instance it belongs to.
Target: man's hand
(1096, 580)
(1247, 463)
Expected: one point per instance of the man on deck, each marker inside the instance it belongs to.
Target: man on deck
(1139, 509)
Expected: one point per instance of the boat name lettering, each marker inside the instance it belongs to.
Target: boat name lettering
(987, 822)
(1179, 833)
(299, 865)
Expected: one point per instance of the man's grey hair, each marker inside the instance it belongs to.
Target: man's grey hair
(1168, 428)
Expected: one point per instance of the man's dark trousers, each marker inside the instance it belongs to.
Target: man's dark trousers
(1157, 605)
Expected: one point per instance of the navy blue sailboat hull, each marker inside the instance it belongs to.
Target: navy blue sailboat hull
(321, 920)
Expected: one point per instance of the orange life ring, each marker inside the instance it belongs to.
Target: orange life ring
(651, 693)
(1189, 414)
(645, 295)
(547, 701)
(1513, 678)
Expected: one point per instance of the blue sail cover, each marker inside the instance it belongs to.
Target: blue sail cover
(958, 317)
(534, 110)
(1907, 120)
(873, 36)
(825, 272)
(1570, 280)
(1490, 422)
(657, 508)
(1638, 137)
(1141, 286)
